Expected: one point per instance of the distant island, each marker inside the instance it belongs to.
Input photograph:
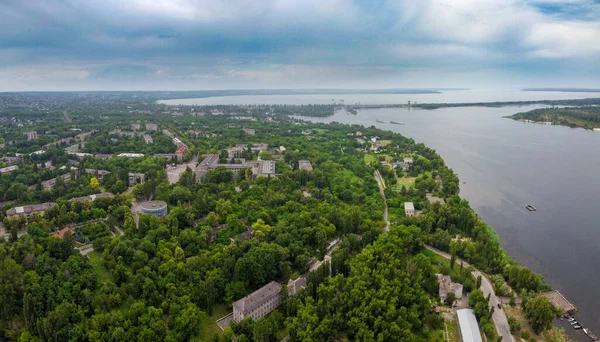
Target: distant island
(573, 102)
(583, 117)
(565, 90)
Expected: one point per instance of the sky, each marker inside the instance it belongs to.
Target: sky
(239, 44)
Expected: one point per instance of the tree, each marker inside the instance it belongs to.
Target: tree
(94, 182)
(11, 287)
(450, 299)
(540, 313)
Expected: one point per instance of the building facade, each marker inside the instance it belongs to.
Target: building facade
(156, 208)
(136, 178)
(409, 208)
(259, 303)
(27, 210)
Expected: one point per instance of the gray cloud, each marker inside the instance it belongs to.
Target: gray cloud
(185, 44)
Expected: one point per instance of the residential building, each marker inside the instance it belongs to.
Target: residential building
(135, 127)
(99, 174)
(168, 156)
(447, 286)
(61, 233)
(11, 160)
(37, 153)
(235, 150)
(93, 197)
(249, 131)
(136, 178)
(27, 210)
(31, 135)
(257, 167)
(130, 155)
(469, 329)
(148, 139)
(409, 208)
(259, 147)
(259, 303)
(102, 155)
(293, 286)
(49, 184)
(151, 126)
(8, 169)
(305, 165)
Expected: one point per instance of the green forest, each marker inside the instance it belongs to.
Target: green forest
(583, 117)
(127, 276)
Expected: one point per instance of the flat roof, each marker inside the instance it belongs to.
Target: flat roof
(409, 206)
(469, 329)
(154, 205)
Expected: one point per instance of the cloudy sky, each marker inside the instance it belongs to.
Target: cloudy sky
(238, 44)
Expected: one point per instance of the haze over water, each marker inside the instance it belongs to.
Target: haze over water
(505, 165)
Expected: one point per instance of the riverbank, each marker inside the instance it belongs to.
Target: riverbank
(578, 117)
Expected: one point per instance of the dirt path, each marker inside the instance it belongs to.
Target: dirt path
(381, 185)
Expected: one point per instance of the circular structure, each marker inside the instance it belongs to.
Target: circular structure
(156, 208)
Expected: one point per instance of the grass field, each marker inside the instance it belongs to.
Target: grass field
(371, 157)
(96, 261)
(209, 327)
(406, 181)
(384, 143)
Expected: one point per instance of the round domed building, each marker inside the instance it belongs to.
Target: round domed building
(156, 208)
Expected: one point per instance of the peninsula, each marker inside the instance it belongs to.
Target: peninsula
(582, 117)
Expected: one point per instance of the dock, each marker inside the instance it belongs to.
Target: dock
(559, 301)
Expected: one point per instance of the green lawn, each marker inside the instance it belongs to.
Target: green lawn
(96, 262)
(406, 181)
(453, 333)
(209, 327)
(384, 143)
(369, 158)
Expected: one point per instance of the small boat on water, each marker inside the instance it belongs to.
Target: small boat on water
(396, 123)
(530, 207)
(380, 121)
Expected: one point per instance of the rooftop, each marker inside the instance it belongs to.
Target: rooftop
(258, 297)
(409, 206)
(153, 205)
(469, 330)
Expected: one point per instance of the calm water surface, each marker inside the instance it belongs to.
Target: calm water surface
(454, 96)
(505, 165)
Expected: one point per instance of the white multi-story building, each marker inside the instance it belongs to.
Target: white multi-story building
(259, 303)
(409, 208)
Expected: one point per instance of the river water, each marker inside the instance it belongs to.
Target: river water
(504, 165)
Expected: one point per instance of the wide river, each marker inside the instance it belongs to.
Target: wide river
(504, 165)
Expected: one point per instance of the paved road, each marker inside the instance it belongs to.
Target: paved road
(381, 185)
(499, 317)
(175, 172)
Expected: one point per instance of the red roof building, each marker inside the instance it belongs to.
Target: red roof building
(61, 233)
